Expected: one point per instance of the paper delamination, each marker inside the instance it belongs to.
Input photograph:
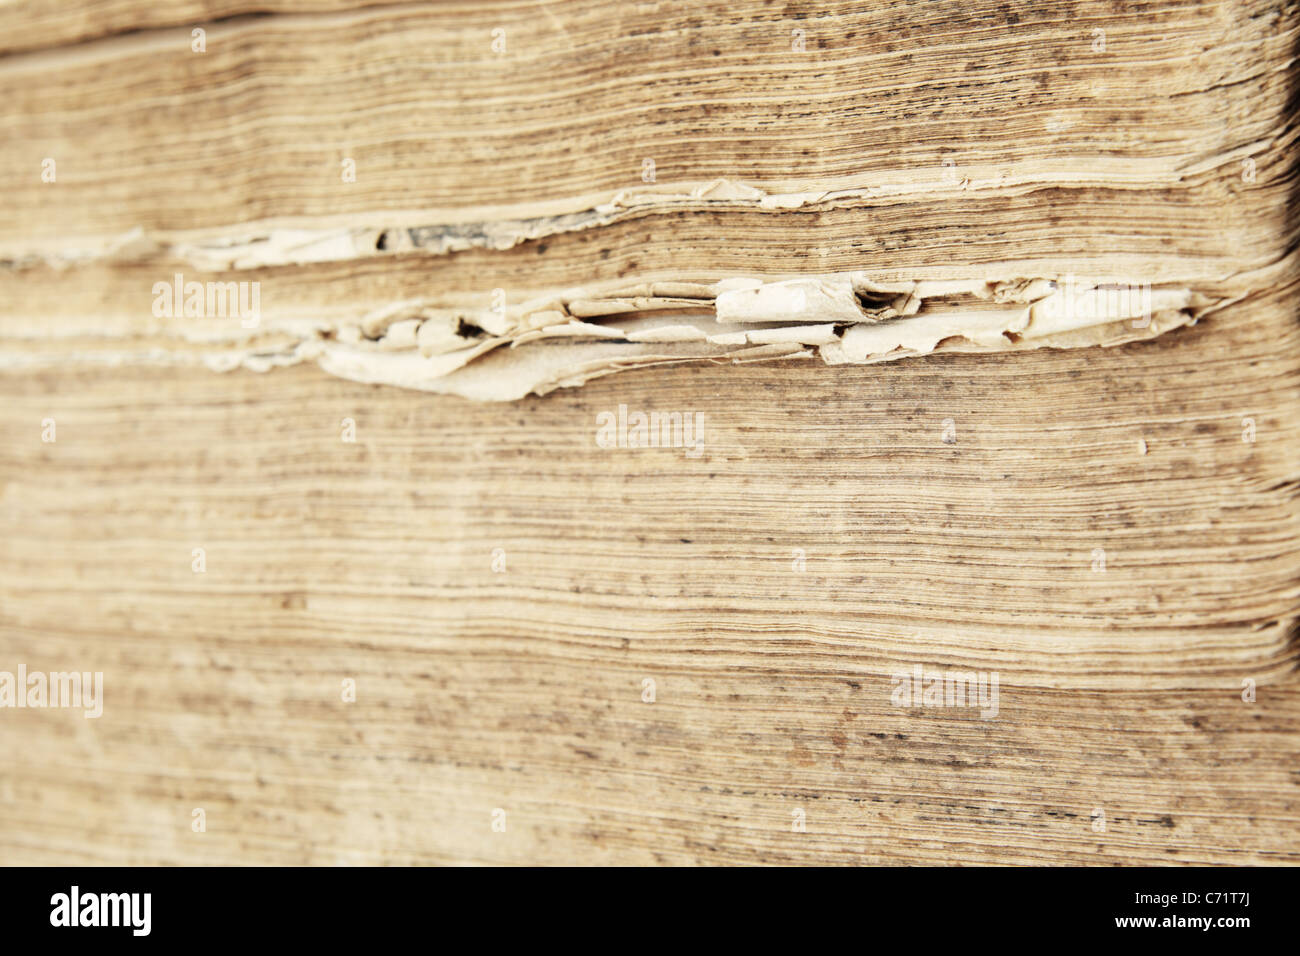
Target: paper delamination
(537, 347)
(475, 242)
(563, 338)
(506, 343)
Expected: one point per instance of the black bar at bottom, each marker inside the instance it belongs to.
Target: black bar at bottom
(333, 907)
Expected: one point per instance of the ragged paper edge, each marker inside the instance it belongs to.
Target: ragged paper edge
(440, 231)
(568, 337)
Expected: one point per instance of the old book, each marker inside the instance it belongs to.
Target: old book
(792, 365)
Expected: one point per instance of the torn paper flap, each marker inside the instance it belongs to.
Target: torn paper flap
(819, 299)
